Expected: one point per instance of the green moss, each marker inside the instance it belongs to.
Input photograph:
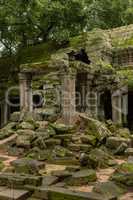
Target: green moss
(128, 75)
(77, 41)
(38, 53)
(122, 43)
(125, 168)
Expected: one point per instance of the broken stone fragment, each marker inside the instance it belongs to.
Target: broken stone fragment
(63, 136)
(8, 130)
(123, 132)
(42, 124)
(129, 152)
(89, 139)
(62, 174)
(108, 189)
(26, 125)
(27, 166)
(49, 180)
(121, 149)
(59, 151)
(23, 141)
(25, 137)
(62, 128)
(50, 143)
(95, 128)
(114, 142)
(37, 153)
(47, 114)
(59, 193)
(123, 174)
(15, 117)
(99, 158)
(82, 177)
(19, 180)
(73, 168)
(84, 159)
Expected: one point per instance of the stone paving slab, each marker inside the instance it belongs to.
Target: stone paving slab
(13, 194)
(56, 193)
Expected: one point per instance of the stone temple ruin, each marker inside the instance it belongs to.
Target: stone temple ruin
(93, 73)
(66, 118)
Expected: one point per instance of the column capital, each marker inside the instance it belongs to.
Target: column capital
(25, 76)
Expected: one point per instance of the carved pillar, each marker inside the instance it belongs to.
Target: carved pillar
(124, 104)
(6, 113)
(91, 99)
(25, 91)
(117, 107)
(2, 113)
(68, 97)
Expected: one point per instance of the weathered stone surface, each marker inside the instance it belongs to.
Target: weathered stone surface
(99, 158)
(123, 174)
(64, 161)
(84, 159)
(63, 136)
(130, 159)
(73, 168)
(56, 193)
(129, 152)
(49, 180)
(123, 132)
(13, 194)
(114, 142)
(121, 149)
(108, 189)
(8, 130)
(23, 141)
(62, 128)
(19, 180)
(95, 128)
(82, 177)
(15, 117)
(59, 151)
(26, 125)
(74, 147)
(89, 139)
(52, 142)
(62, 173)
(79, 147)
(27, 166)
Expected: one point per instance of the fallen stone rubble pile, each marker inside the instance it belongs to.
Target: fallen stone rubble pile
(89, 143)
(84, 148)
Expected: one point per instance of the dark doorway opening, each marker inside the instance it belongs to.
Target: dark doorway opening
(14, 104)
(37, 101)
(0, 118)
(130, 110)
(106, 103)
(81, 91)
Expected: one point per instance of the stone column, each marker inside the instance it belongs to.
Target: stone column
(2, 113)
(117, 107)
(6, 113)
(25, 92)
(91, 99)
(68, 98)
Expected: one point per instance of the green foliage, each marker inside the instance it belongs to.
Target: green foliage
(128, 75)
(27, 22)
(109, 14)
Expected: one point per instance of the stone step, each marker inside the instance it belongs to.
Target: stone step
(13, 194)
(19, 180)
(56, 193)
